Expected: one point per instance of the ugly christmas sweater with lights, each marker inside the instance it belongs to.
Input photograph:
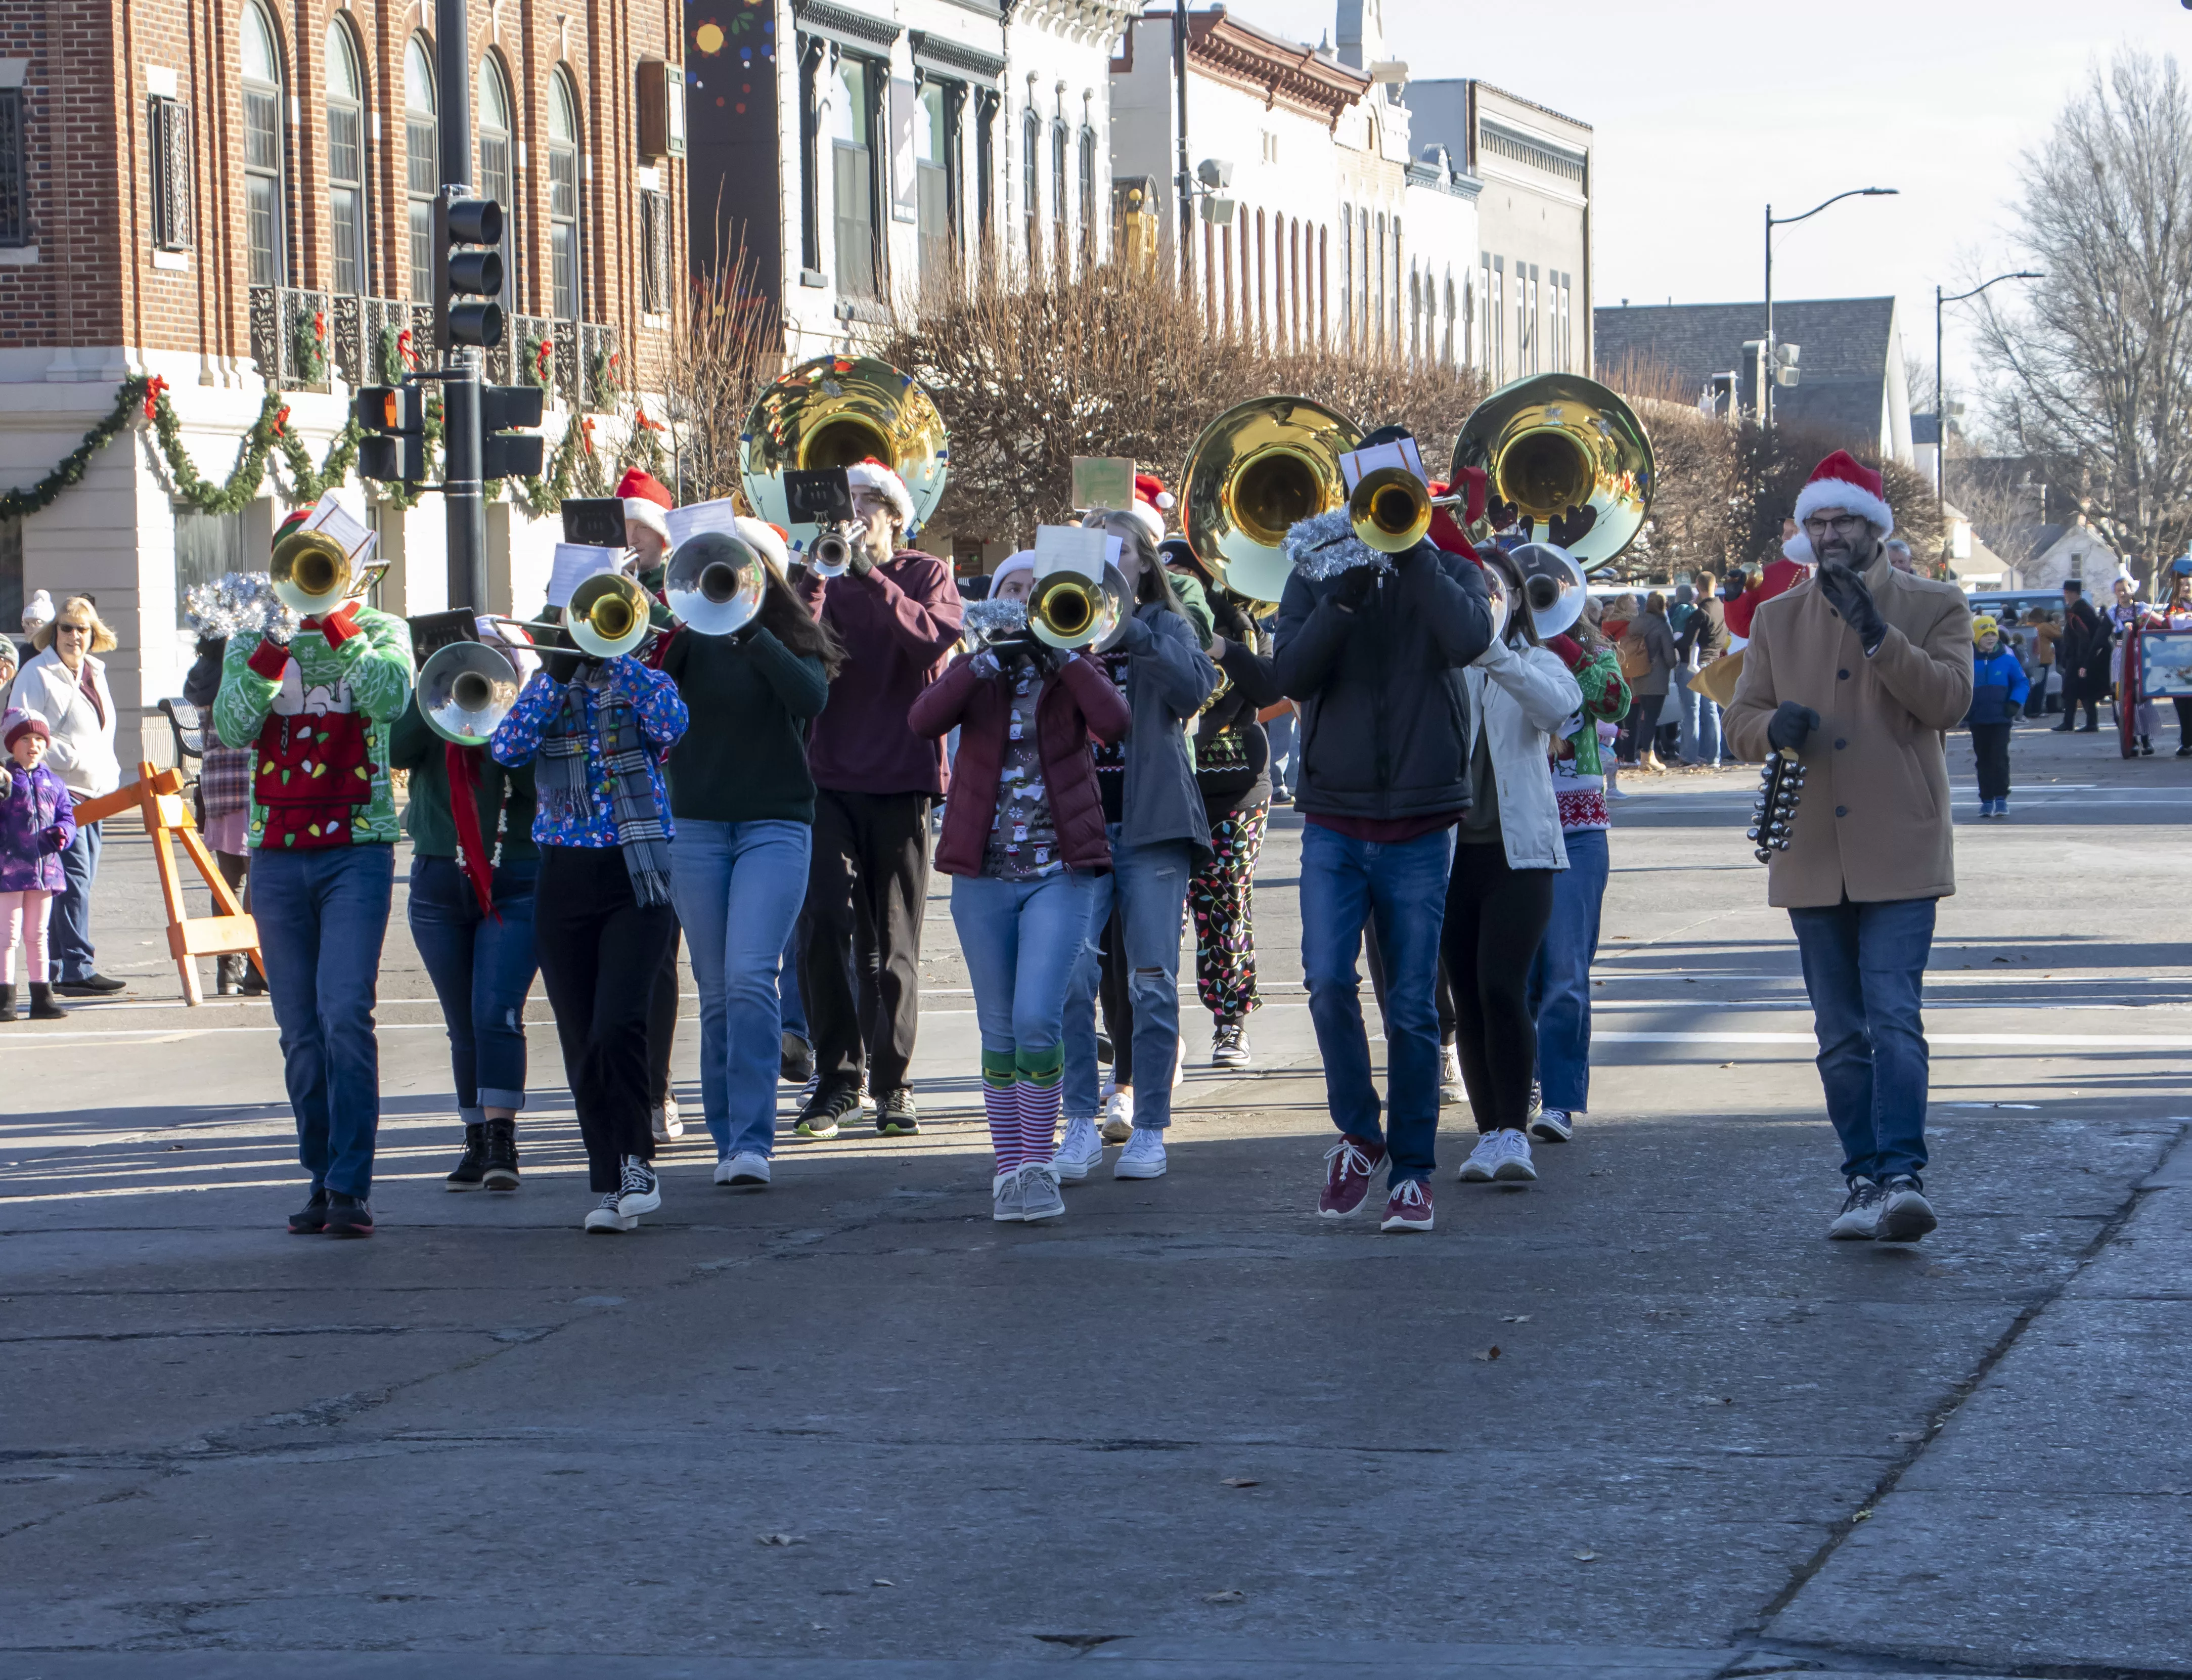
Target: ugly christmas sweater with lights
(317, 713)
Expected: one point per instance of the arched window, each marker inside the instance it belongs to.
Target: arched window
(1323, 287)
(1088, 195)
(1032, 185)
(262, 149)
(1060, 212)
(563, 199)
(1378, 291)
(346, 220)
(1278, 280)
(422, 168)
(496, 179)
(1347, 276)
(1294, 282)
(1262, 288)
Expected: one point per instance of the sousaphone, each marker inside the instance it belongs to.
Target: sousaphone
(1561, 447)
(1256, 470)
(834, 411)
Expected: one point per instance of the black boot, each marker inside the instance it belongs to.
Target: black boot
(255, 983)
(2145, 747)
(8, 1003)
(502, 1155)
(43, 1007)
(472, 1166)
(227, 976)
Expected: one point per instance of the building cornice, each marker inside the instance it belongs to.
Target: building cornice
(844, 25)
(949, 57)
(1284, 72)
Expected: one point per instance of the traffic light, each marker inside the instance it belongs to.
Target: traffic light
(467, 280)
(393, 418)
(505, 453)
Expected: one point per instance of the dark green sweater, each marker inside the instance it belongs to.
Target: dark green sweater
(413, 747)
(742, 758)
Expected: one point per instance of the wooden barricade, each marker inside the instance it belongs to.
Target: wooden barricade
(157, 796)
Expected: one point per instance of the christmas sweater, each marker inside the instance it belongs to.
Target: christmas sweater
(316, 715)
(1579, 764)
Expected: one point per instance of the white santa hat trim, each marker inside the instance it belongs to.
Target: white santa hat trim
(639, 511)
(1022, 560)
(1148, 518)
(873, 475)
(762, 537)
(1835, 484)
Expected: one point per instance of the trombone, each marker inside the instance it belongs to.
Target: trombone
(608, 615)
(465, 691)
(1069, 610)
(714, 583)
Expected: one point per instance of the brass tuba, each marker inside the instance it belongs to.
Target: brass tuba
(465, 691)
(1256, 470)
(1559, 446)
(834, 411)
(312, 574)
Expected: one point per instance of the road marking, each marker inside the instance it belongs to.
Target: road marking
(2026, 1040)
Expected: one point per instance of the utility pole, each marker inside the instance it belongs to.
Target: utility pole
(1186, 180)
(1941, 407)
(462, 491)
(1767, 368)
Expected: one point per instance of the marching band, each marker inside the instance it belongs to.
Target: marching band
(736, 727)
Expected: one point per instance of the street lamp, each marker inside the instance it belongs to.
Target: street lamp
(1773, 221)
(1941, 408)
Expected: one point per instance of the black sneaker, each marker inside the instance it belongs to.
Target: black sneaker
(91, 986)
(1905, 1214)
(818, 1121)
(796, 1061)
(349, 1215)
(471, 1170)
(311, 1219)
(1228, 1044)
(896, 1115)
(502, 1155)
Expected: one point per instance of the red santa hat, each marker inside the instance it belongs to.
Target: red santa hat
(646, 500)
(873, 475)
(1152, 502)
(1844, 481)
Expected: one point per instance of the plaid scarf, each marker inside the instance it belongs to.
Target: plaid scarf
(562, 780)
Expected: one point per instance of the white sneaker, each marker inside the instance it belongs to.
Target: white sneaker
(743, 1171)
(604, 1220)
(1503, 1155)
(1119, 1117)
(1081, 1151)
(1178, 1066)
(1144, 1157)
(1452, 1092)
(1006, 1203)
(641, 1192)
(1039, 1196)
(667, 1126)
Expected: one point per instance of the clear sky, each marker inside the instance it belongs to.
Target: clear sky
(1706, 109)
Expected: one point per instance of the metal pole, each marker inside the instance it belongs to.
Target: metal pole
(1766, 351)
(1186, 178)
(1940, 435)
(463, 494)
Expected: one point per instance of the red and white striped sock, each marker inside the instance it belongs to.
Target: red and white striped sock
(1000, 1106)
(1039, 1107)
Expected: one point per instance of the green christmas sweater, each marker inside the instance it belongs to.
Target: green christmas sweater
(317, 716)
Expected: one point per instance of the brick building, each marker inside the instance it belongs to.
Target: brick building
(237, 194)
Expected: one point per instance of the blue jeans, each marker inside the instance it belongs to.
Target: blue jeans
(1864, 969)
(1151, 885)
(791, 1006)
(1560, 978)
(1700, 723)
(1281, 732)
(322, 918)
(1403, 887)
(482, 969)
(68, 936)
(737, 887)
(1022, 939)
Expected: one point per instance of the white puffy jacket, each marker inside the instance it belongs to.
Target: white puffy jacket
(82, 750)
(1519, 695)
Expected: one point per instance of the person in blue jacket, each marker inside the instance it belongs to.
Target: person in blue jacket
(1998, 691)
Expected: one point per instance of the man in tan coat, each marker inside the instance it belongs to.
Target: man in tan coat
(1859, 672)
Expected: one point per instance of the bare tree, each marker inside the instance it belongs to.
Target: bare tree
(725, 346)
(2095, 367)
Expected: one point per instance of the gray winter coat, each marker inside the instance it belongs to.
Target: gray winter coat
(1168, 678)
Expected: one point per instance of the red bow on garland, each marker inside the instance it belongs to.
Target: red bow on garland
(403, 348)
(281, 420)
(155, 389)
(540, 356)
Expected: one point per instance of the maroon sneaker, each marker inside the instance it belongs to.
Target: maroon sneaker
(1409, 1206)
(1349, 1166)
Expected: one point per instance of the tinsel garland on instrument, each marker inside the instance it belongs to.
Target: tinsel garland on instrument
(237, 604)
(1327, 546)
(994, 618)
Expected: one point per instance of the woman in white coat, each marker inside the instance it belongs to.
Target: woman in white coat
(66, 683)
(1500, 896)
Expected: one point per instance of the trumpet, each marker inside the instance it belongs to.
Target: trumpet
(831, 551)
(465, 691)
(714, 583)
(313, 575)
(1069, 609)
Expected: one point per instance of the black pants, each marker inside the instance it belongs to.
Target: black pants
(1495, 917)
(2183, 706)
(600, 950)
(1990, 746)
(1374, 960)
(1114, 1000)
(866, 890)
(662, 1024)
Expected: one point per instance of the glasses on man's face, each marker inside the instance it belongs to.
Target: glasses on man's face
(1844, 525)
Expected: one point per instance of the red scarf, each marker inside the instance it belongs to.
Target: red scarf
(463, 763)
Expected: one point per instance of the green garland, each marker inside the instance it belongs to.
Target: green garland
(14, 503)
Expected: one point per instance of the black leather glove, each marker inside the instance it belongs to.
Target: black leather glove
(1356, 584)
(1847, 594)
(1792, 724)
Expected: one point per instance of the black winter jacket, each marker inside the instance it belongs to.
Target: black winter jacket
(1385, 713)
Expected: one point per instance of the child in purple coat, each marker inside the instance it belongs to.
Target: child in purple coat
(37, 821)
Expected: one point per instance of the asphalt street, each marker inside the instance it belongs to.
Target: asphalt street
(1637, 1420)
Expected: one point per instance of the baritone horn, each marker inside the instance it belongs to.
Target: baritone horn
(1257, 470)
(608, 615)
(714, 583)
(1391, 509)
(465, 691)
(1561, 447)
(838, 411)
(1071, 609)
(312, 574)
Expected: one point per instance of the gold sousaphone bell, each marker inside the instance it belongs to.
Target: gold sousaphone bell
(1257, 470)
(834, 411)
(312, 574)
(1561, 447)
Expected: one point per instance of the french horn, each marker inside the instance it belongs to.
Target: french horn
(1561, 447)
(465, 691)
(1255, 471)
(835, 411)
(714, 583)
